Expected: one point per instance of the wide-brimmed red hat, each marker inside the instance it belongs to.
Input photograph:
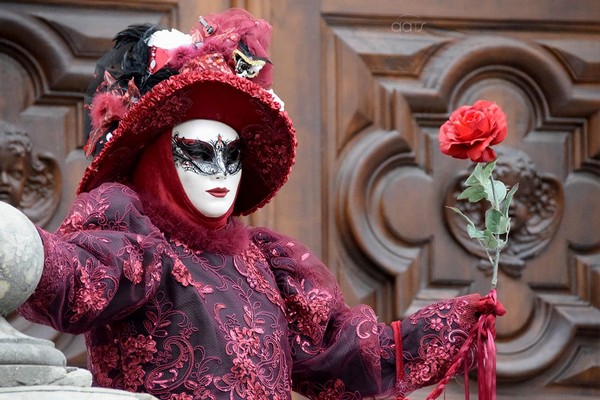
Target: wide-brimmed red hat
(129, 110)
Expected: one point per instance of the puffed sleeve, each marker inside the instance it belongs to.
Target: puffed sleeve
(103, 262)
(336, 350)
(343, 352)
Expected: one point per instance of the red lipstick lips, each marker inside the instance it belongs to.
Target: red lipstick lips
(218, 192)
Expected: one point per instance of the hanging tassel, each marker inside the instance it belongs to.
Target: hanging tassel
(486, 347)
(484, 332)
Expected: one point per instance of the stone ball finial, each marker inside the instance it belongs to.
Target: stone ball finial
(21, 258)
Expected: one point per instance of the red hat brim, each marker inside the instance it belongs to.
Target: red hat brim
(267, 133)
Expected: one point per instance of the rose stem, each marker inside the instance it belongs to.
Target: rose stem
(497, 235)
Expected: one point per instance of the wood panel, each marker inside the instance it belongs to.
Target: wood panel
(390, 80)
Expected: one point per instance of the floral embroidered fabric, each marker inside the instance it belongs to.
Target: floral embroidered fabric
(431, 338)
(180, 324)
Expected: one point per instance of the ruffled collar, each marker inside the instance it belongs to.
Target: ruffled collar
(233, 238)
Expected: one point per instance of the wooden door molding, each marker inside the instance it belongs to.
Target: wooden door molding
(389, 83)
(48, 53)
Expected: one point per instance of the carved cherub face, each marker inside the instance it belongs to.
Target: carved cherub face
(15, 161)
(28, 181)
(516, 168)
(535, 210)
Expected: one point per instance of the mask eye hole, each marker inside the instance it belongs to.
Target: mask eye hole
(232, 156)
(234, 151)
(197, 150)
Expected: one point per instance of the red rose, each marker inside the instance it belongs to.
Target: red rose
(472, 130)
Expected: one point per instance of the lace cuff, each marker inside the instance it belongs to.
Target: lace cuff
(431, 338)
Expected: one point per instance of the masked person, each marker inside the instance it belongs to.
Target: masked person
(175, 296)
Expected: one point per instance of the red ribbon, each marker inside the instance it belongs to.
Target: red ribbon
(158, 58)
(484, 331)
(486, 348)
(397, 328)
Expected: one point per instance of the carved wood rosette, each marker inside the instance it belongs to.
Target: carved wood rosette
(389, 83)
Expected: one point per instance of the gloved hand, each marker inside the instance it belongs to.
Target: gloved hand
(444, 338)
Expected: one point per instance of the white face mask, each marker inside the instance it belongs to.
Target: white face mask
(207, 157)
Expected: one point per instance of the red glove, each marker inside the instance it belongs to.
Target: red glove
(444, 338)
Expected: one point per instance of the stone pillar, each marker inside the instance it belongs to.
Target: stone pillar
(32, 368)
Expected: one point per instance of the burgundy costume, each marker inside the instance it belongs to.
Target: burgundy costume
(183, 307)
(249, 322)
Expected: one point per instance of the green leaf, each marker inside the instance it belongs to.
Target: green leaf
(475, 233)
(456, 210)
(509, 198)
(496, 222)
(473, 193)
(473, 179)
(487, 170)
(492, 242)
(480, 180)
(500, 190)
(478, 176)
(487, 188)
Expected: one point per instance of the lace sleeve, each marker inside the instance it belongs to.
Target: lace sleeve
(102, 263)
(342, 352)
(431, 339)
(337, 351)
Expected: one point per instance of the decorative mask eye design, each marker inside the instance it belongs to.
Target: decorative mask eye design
(207, 158)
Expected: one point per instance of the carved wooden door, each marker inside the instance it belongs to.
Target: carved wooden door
(367, 85)
(392, 73)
